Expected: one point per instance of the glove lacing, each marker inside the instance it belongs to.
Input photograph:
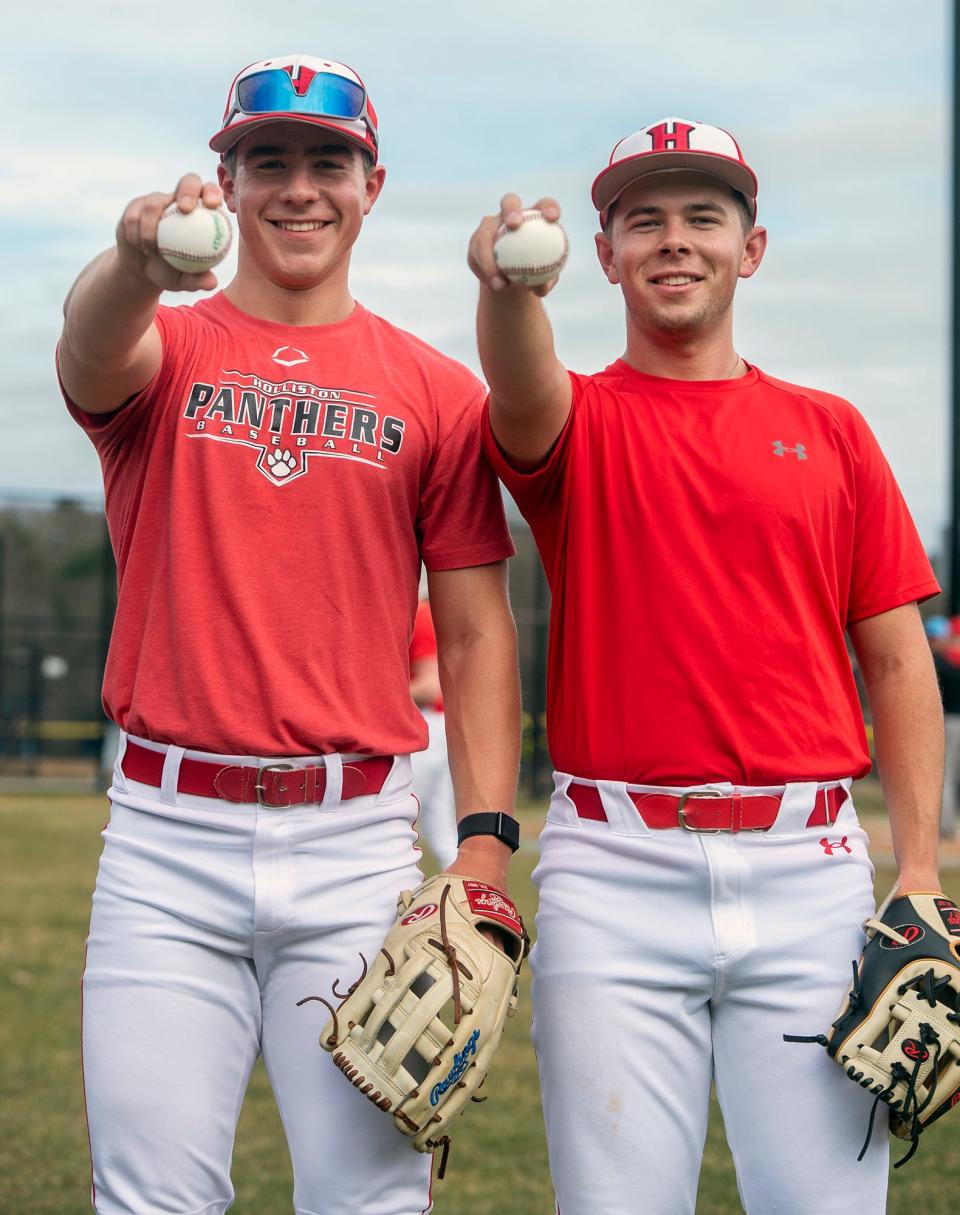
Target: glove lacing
(929, 988)
(450, 953)
(911, 1108)
(334, 1038)
(854, 999)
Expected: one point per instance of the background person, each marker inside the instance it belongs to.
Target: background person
(437, 821)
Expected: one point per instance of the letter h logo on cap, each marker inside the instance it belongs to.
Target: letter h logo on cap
(676, 136)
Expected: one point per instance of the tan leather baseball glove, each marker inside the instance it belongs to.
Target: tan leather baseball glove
(898, 1032)
(417, 1031)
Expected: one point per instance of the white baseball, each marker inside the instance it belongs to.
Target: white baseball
(532, 254)
(195, 240)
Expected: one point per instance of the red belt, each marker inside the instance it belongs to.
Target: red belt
(275, 785)
(703, 810)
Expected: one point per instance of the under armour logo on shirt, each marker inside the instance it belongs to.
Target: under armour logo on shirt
(832, 846)
(799, 451)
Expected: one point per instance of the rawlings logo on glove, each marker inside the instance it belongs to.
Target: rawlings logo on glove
(460, 1064)
(898, 1032)
(417, 1031)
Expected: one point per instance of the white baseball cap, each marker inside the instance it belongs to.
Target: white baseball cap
(674, 143)
(301, 88)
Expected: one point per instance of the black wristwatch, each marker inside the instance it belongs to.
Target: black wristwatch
(504, 826)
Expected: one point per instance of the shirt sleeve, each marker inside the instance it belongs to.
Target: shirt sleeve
(461, 520)
(890, 565)
(123, 438)
(536, 489)
(110, 431)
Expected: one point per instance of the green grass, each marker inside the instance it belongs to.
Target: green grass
(498, 1165)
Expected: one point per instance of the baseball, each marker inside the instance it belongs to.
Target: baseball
(194, 241)
(532, 254)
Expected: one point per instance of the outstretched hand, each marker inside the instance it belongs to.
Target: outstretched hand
(137, 234)
(480, 252)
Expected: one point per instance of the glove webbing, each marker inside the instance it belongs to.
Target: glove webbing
(912, 1108)
(456, 966)
(929, 988)
(450, 953)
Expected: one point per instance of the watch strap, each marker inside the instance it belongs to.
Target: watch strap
(497, 823)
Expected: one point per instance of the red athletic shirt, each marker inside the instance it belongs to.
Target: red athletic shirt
(706, 544)
(269, 497)
(423, 643)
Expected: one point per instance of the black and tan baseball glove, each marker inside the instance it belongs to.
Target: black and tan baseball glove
(417, 1031)
(898, 1032)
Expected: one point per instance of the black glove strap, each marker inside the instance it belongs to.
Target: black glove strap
(504, 826)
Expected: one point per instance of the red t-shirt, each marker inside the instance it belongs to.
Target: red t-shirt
(706, 544)
(269, 496)
(423, 643)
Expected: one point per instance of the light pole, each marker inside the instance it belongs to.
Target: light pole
(953, 568)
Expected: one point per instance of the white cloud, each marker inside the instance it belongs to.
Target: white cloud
(843, 115)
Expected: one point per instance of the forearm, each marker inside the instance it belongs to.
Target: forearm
(908, 742)
(108, 311)
(517, 351)
(110, 347)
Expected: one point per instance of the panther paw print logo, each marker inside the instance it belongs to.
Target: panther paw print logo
(281, 464)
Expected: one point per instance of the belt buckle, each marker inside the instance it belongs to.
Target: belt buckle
(681, 817)
(261, 789)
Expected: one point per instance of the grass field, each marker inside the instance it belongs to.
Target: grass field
(498, 1165)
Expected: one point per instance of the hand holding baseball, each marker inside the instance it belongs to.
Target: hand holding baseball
(140, 250)
(524, 247)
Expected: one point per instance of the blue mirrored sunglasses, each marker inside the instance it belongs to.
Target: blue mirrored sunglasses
(327, 96)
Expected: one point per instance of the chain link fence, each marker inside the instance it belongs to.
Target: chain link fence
(57, 599)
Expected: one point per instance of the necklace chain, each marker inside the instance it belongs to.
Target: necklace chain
(729, 374)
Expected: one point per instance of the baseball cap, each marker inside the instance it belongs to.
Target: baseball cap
(937, 626)
(674, 143)
(301, 88)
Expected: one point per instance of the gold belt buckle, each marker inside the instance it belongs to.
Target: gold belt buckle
(261, 789)
(681, 817)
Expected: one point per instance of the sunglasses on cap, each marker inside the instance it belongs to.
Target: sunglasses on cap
(326, 96)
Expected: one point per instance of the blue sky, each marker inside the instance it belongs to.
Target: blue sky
(842, 110)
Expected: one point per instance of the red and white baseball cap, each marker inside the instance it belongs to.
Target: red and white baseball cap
(674, 143)
(301, 88)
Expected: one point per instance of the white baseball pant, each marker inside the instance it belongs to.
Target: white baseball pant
(951, 775)
(210, 921)
(666, 960)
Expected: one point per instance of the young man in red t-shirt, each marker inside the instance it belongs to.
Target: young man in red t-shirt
(709, 534)
(278, 462)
